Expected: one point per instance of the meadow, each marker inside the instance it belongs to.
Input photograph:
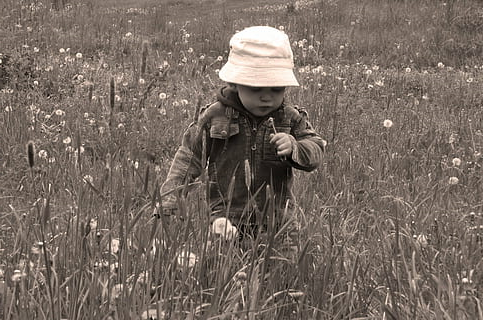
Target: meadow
(94, 98)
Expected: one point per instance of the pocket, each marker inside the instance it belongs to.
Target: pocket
(220, 129)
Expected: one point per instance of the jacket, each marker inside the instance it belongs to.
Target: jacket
(241, 161)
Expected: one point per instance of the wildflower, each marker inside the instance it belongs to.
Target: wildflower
(421, 240)
(187, 259)
(187, 35)
(281, 28)
(453, 181)
(375, 68)
(61, 50)
(117, 98)
(370, 86)
(219, 58)
(78, 55)
(224, 228)
(456, 162)
(368, 72)
(425, 97)
(142, 81)
(387, 123)
(36, 49)
(115, 245)
(59, 112)
(88, 178)
(128, 35)
(43, 154)
(407, 70)
(202, 57)
(469, 80)
(190, 50)
(162, 96)
(184, 102)
(36, 83)
(440, 65)
(67, 140)
(341, 47)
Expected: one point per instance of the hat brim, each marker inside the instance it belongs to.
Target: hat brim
(258, 77)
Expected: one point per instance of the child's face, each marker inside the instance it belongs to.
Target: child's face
(260, 101)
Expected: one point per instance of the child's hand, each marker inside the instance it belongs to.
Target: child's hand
(283, 143)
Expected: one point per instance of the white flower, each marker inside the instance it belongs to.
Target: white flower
(78, 55)
(162, 96)
(190, 50)
(281, 28)
(184, 102)
(36, 49)
(219, 58)
(36, 83)
(128, 35)
(469, 80)
(142, 81)
(59, 112)
(456, 162)
(224, 228)
(368, 72)
(115, 245)
(422, 240)
(379, 83)
(67, 140)
(407, 70)
(453, 181)
(440, 65)
(387, 123)
(89, 178)
(43, 154)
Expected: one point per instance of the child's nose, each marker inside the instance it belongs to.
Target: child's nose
(266, 95)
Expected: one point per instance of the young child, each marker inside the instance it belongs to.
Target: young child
(252, 139)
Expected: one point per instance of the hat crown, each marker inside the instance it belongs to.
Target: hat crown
(260, 56)
(261, 47)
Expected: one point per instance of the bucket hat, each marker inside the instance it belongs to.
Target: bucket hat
(260, 56)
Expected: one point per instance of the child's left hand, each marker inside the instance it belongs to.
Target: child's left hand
(282, 143)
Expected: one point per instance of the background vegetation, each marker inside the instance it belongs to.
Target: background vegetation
(94, 99)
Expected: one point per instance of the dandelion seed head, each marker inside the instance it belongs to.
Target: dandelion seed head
(453, 180)
(89, 178)
(456, 162)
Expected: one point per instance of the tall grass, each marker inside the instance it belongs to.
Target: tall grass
(94, 101)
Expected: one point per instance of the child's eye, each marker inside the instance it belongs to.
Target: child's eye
(278, 89)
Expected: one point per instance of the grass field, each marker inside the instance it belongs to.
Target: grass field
(95, 97)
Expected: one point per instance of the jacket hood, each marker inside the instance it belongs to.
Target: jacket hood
(229, 97)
